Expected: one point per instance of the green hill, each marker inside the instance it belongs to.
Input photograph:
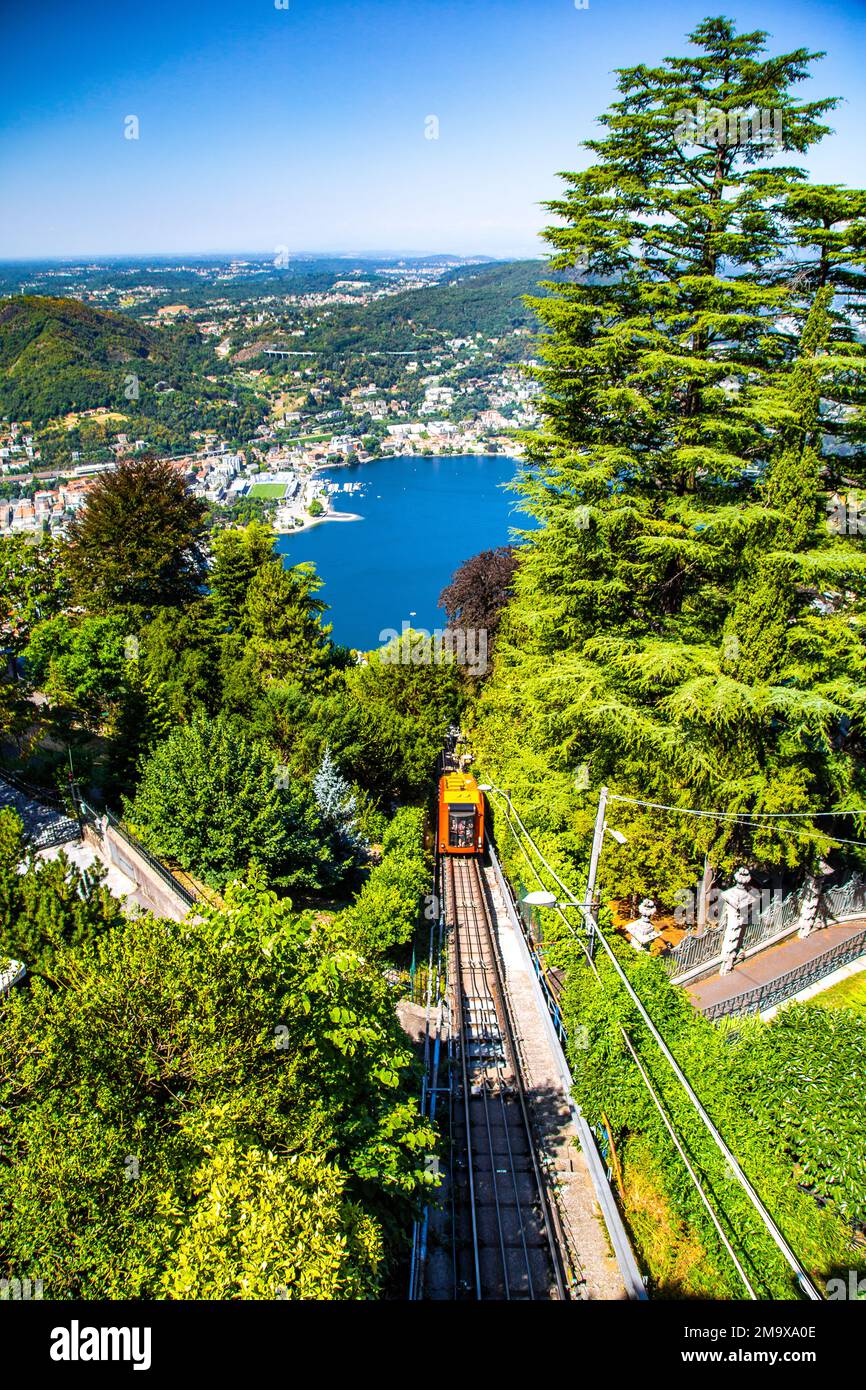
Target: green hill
(473, 299)
(59, 355)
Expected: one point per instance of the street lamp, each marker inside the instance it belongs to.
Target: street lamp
(540, 898)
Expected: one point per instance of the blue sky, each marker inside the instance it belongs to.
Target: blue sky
(305, 127)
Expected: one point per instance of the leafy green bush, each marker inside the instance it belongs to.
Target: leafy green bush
(385, 913)
(783, 1094)
(82, 663)
(218, 1109)
(50, 905)
(210, 797)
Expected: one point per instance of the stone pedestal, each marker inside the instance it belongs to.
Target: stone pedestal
(641, 931)
(737, 904)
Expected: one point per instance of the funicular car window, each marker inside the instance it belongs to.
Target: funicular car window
(461, 826)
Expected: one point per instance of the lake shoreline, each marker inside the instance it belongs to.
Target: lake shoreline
(311, 521)
(424, 517)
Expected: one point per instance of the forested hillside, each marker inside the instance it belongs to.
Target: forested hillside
(59, 355)
(242, 1121)
(476, 299)
(41, 333)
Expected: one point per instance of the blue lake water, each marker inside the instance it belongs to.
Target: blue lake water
(421, 518)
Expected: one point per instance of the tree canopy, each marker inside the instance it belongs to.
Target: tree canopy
(217, 1109)
(687, 627)
(136, 542)
(216, 801)
(480, 589)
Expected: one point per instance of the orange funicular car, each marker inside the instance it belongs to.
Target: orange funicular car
(461, 815)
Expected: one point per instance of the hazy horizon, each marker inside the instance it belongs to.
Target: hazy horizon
(325, 124)
(236, 253)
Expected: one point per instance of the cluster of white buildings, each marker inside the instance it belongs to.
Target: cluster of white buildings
(467, 436)
(48, 510)
(16, 447)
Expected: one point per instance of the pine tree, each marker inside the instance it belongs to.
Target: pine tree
(686, 627)
(238, 554)
(338, 804)
(283, 617)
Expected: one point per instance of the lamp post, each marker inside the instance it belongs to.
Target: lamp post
(541, 898)
(595, 852)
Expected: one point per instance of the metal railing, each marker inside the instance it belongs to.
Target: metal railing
(845, 900)
(60, 828)
(781, 915)
(784, 987)
(699, 947)
(168, 878)
(702, 948)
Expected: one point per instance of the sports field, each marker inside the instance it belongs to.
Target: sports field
(267, 490)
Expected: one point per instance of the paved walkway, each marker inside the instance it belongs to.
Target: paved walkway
(119, 884)
(770, 964)
(49, 831)
(551, 1114)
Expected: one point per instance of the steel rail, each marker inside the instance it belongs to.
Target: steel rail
(470, 906)
(464, 1067)
(480, 914)
(478, 984)
(791, 1259)
(554, 1239)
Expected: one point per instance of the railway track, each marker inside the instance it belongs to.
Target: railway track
(506, 1236)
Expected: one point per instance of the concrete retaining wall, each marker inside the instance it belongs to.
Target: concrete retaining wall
(112, 848)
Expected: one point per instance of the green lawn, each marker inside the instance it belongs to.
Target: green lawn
(267, 490)
(848, 994)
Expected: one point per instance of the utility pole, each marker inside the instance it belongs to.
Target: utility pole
(598, 836)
